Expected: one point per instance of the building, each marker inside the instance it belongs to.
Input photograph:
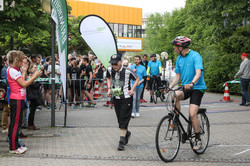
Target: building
(126, 22)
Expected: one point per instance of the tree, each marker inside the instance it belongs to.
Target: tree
(76, 42)
(24, 26)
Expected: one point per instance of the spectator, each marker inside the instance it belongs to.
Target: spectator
(74, 80)
(57, 81)
(6, 110)
(141, 72)
(99, 74)
(144, 62)
(34, 97)
(87, 84)
(244, 74)
(18, 93)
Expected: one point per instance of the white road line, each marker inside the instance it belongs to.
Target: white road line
(234, 145)
(242, 152)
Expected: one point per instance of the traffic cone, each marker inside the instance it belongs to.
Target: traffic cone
(96, 94)
(226, 94)
(105, 86)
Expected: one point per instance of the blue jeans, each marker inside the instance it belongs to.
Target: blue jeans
(244, 89)
(136, 100)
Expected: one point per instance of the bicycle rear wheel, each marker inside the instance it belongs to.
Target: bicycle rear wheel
(205, 134)
(167, 139)
(154, 92)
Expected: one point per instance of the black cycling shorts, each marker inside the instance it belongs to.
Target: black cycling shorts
(195, 96)
(157, 79)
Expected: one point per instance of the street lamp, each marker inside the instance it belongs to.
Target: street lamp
(164, 56)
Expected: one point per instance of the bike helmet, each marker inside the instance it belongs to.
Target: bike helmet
(181, 41)
(152, 55)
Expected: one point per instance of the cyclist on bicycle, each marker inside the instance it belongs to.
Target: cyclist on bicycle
(189, 70)
(154, 72)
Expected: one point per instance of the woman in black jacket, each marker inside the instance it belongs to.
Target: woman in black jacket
(34, 97)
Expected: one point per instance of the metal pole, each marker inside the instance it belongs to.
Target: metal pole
(53, 73)
(164, 69)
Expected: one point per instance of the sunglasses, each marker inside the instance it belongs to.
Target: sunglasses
(114, 64)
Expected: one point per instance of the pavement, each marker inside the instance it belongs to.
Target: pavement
(91, 137)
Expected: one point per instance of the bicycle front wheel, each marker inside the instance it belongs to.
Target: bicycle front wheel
(154, 92)
(205, 134)
(167, 139)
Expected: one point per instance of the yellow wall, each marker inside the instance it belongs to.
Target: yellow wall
(111, 13)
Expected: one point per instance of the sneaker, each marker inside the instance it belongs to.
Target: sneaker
(151, 99)
(144, 101)
(48, 106)
(197, 145)
(80, 106)
(121, 143)
(140, 100)
(73, 106)
(241, 104)
(133, 115)
(21, 144)
(20, 150)
(127, 137)
(5, 131)
(137, 114)
(247, 104)
(90, 105)
(21, 135)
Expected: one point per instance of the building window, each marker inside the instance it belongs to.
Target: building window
(111, 26)
(125, 30)
(130, 30)
(116, 29)
(120, 30)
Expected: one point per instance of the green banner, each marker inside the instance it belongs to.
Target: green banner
(60, 16)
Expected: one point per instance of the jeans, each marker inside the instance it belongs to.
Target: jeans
(136, 100)
(244, 87)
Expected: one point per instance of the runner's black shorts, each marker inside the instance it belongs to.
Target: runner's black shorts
(123, 110)
(195, 96)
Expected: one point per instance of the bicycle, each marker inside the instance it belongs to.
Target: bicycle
(155, 89)
(170, 131)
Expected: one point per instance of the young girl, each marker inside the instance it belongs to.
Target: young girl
(17, 86)
(34, 97)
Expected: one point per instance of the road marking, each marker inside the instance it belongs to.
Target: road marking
(242, 152)
(234, 145)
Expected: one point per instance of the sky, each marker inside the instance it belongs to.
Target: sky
(148, 6)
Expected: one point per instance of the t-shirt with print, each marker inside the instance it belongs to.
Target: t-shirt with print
(88, 70)
(16, 91)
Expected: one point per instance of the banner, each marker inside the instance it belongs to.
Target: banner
(60, 16)
(100, 38)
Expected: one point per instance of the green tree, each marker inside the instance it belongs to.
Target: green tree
(24, 26)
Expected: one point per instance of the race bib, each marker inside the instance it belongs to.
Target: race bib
(73, 76)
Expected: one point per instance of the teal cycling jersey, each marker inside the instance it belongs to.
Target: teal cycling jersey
(186, 67)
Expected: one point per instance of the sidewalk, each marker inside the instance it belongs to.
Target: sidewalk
(92, 134)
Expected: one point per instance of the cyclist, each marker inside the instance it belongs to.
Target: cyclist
(189, 70)
(154, 72)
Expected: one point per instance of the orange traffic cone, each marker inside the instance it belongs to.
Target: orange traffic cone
(96, 94)
(226, 94)
(105, 86)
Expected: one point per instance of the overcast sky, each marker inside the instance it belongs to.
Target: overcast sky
(148, 6)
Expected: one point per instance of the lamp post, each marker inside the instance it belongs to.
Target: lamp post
(164, 56)
(46, 4)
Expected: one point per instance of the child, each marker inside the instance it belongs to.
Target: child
(17, 86)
